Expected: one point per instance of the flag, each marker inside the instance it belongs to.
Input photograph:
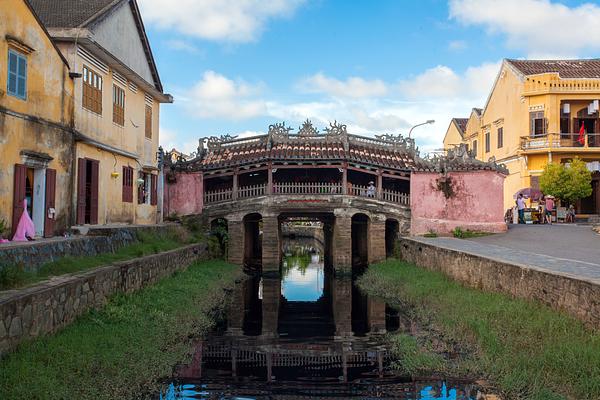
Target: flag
(581, 138)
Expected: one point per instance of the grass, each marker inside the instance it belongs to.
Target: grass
(459, 233)
(526, 349)
(121, 351)
(15, 276)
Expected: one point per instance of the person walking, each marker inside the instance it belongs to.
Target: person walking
(521, 208)
(549, 209)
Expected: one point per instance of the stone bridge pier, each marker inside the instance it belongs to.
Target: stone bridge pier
(353, 237)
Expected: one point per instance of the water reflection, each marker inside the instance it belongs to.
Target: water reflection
(306, 335)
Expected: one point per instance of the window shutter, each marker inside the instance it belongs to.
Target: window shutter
(148, 122)
(94, 193)
(18, 195)
(154, 188)
(81, 173)
(50, 197)
(127, 184)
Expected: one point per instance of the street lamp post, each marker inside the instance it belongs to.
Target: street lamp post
(429, 121)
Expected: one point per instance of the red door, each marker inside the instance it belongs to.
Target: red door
(81, 199)
(50, 204)
(18, 195)
(95, 164)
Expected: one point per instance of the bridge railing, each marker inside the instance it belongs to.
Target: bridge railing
(245, 192)
(316, 188)
(307, 188)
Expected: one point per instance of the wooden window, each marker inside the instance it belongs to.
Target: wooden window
(17, 75)
(148, 127)
(153, 189)
(537, 123)
(127, 184)
(92, 90)
(500, 137)
(475, 148)
(118, 105)
(487, 142)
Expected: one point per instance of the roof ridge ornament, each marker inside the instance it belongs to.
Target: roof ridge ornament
(215, 142)
(336, 129)
(279, 131)
(307, 129)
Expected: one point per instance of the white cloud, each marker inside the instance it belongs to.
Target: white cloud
(540, 27)
(353, 87)
(169, 140)
(457, 45)
(216, 96)
(222, 20)
(442, 82)
(182, 45)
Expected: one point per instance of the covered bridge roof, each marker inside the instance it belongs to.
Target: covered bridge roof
(335, 144)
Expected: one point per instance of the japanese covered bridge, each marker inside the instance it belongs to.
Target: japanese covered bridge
(357, 188)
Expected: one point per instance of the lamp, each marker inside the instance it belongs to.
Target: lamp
(429, 121)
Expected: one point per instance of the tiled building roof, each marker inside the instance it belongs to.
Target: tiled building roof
(461, 124)
(588, 68)
(70, 13)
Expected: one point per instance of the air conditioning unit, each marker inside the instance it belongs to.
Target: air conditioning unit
(566, 108)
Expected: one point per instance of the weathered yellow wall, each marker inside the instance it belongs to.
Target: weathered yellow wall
(453, 136)
(45, 116)
(129, 138)
(473, 132)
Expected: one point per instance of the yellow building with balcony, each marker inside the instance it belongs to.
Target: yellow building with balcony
(533, 116)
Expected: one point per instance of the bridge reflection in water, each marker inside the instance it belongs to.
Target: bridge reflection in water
(305, 335)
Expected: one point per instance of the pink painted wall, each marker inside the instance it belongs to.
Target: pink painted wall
(186, 195)
(477, 203)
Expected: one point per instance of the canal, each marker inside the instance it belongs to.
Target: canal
(305, 335)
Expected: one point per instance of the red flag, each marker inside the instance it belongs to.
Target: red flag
(581, 138)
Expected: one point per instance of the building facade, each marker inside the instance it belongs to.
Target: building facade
(117, 97)
(36, 119)
(533, 116)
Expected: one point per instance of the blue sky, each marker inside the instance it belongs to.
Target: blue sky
(380, 66)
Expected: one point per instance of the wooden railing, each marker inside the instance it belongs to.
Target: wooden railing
(307, 188)
(217, 196)
(316, 188)
(245, 192)
(559, 140)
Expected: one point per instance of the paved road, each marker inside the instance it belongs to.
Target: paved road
(573, 242)
(563, 249)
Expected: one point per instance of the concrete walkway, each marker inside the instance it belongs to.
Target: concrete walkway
(570, 250)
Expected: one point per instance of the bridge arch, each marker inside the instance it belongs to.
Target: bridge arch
(253, 246)
(360, 240)
(392, 228)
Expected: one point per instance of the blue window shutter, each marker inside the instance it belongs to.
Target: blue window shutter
(17, 75)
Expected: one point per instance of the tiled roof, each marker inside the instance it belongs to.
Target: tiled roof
(588, 68)
(366, 151)
(69, 13)
(461, 124)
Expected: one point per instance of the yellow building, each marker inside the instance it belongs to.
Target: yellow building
(117, 96)
(532, 117)
(36, 116)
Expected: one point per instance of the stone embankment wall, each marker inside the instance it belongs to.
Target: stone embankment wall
(51, 305)
(304, 232)
(579, 297)
(32, 255)
(467, 199)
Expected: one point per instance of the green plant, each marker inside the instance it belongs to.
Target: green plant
(3, 227)
(13, 276)
(458, 232)
(567, 183)
(431, 234)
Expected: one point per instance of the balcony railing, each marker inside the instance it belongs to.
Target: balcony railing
(559, 140)
(293, 188)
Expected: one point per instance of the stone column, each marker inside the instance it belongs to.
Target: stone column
(379, 184)
(342, 243)
(342, 306)
(271, 293)
(376, 239)
(376, 315)
(345, 178)
(270, 245)
(235, 251)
